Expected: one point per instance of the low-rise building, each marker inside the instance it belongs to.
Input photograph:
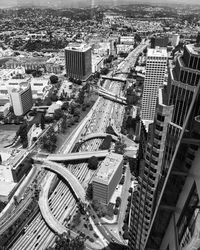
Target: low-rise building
(97, 63)
(39, 87)
(107, 177)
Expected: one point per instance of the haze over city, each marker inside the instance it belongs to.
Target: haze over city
(77, 3)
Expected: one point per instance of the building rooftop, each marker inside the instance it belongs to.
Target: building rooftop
(157, 52)
(81, 47)
(193, 49)
(108, 168)
(6, 187)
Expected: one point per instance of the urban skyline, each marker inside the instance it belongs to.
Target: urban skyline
(99, 126)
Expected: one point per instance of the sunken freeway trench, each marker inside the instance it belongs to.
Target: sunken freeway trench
(61, 201)
(37, 234)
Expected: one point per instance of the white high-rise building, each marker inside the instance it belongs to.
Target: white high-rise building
(155, 72)
(21, 99)
(175, 39)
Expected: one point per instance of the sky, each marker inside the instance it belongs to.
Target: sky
(71, 3)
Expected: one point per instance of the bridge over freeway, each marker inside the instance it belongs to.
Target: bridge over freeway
(77, 156)
(114, 79)
(97, 135)
(112, 97)
(110, 93)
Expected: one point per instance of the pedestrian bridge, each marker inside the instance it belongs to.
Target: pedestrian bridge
(112, 97)
(77, 156)
(111, 94)
(114, 79)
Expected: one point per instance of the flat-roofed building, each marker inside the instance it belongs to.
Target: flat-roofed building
(78, 61)
(39, 87)
(107, 177)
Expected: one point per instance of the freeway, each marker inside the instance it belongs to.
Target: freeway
(38, 235)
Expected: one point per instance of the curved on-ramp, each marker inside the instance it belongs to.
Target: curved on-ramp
(51, 221)
(55, 225)
(67, 175)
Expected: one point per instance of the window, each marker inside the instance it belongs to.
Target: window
(159, 128)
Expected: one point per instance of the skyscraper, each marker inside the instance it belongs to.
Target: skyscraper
(155, 71)
(143, 203)
(174, 202)
(78, 61)
(175, 221)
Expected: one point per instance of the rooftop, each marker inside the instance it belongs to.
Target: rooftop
(193, 49)
(6, 188)
(157, 52)
(81, 47)
(108, 168)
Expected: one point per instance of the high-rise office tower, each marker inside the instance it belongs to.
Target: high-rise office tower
(21, 99)
(143, 203)
(156, 66)
(78, 61)
(173, 221)
(175, 39)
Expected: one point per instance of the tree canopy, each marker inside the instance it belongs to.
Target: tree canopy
(93, 163)
(53, 79)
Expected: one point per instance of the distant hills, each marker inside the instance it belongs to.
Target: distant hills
(88, 3)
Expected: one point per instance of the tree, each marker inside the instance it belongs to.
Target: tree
(106, 143)
(64, 241)
(54, 98)
(22, 132)
(89, 192)
(110, 130)
(77, 112)
(126, 235)
(116, 211)
(64, 124)
(65, 106)
(42, 121)
(93, 163)
(119, 148)
(118, 201)
(58, 114)
(49, 141)
(53, 79)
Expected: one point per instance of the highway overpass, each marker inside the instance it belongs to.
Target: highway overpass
(111, 97)
(114, 79)
(97, 135)
(110, 93)
(77, 156)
